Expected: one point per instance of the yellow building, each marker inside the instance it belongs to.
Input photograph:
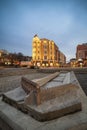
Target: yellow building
(44, 52)
(1, 52)
(62, 59)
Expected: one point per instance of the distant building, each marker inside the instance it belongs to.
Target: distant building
(0, 53)
(4, 57)
(73, 62)
(3, 52)
(25, 63)
(81, 54)
(45, 52)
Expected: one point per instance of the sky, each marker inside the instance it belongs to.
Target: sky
(63, 21)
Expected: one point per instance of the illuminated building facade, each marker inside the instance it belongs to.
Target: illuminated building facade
(62, 58)
(44, 52)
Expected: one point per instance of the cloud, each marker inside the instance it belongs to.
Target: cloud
(64, 22)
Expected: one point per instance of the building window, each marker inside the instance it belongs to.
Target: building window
(45, 46)
(51, 47)
(51, 52)
(51, 57)
(34, 46)
(45, 52)
(45, 57)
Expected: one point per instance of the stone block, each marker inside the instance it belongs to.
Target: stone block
(28, 85)
(44, 103)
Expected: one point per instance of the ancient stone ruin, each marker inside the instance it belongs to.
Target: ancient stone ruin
(47, 98)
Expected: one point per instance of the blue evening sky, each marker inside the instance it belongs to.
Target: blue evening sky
(63, 21)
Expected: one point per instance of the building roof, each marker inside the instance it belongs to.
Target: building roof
(35, 35)
(43, 39)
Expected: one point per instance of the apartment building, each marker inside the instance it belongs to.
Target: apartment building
(45, 52)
